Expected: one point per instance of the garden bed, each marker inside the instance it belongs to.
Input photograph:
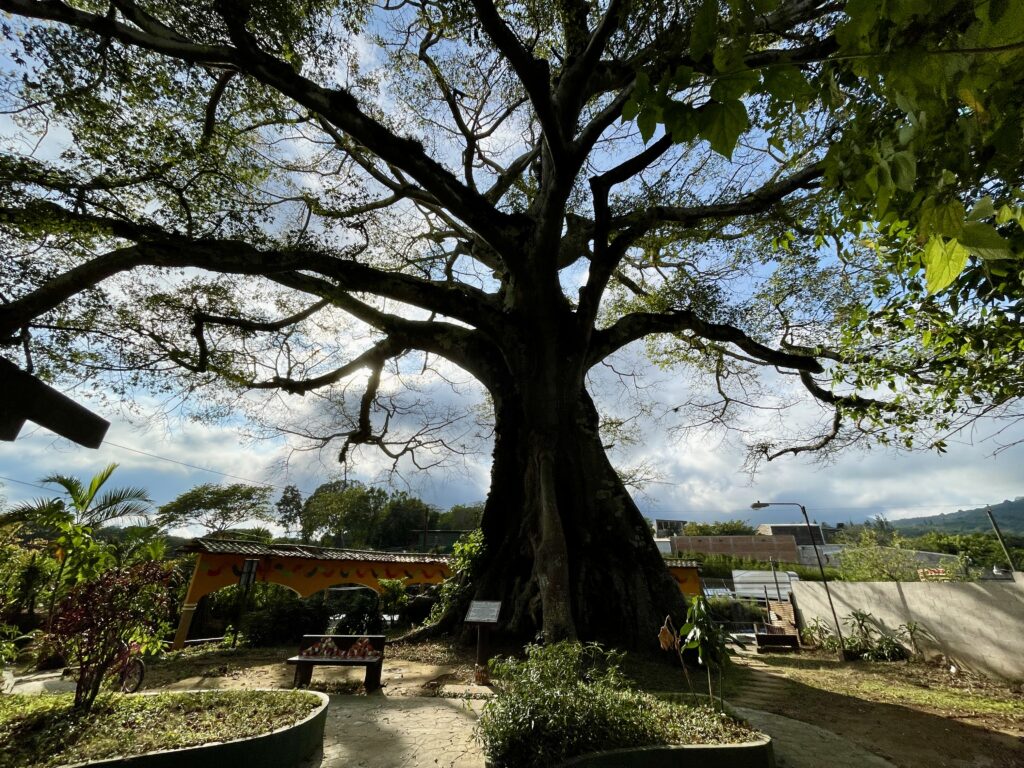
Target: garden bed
(566, 700)
(44, 731)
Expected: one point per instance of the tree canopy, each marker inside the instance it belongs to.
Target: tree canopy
(780, 198)
(217, 508)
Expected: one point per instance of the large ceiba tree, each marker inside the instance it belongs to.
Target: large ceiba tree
(230, 195)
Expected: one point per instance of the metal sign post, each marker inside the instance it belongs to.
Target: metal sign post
(483, 613)
(245, 582)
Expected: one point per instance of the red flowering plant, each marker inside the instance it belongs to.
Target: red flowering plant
(99, 618)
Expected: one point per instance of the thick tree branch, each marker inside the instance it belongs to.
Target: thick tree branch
(256, 325)
(604, 264)
(335, 105)
(638, 223)
(372, 358)
(534, 73)
(569, 95)
(159, 249)
(637, 325)
(149, 37)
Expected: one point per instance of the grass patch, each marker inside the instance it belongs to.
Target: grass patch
(44, 731)
(916, 684)
(957, 702)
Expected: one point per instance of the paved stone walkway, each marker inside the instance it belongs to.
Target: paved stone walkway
(406, 732)
(400, 732)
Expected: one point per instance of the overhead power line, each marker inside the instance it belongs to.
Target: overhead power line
(192, 466)
(22, 482)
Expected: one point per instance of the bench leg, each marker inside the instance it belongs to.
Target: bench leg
(303, 674)
(372, 680)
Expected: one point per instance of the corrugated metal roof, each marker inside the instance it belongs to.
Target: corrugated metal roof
(307, 551)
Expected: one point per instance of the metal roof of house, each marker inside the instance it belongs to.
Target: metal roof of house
(306, 551)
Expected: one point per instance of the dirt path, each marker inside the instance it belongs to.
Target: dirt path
(265, 668)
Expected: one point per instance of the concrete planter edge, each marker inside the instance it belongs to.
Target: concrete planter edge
(751, 754)
(283, 748)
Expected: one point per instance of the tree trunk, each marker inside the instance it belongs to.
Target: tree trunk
(568, 552)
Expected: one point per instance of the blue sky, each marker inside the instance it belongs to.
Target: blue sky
(701, 479)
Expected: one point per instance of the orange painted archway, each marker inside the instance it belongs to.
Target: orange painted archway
(304, 569)
(307, 570)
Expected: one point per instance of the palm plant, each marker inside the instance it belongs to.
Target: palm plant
(81, 509)
(86, 506)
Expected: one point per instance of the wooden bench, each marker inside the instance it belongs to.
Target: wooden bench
(775, 638)
(340, 651)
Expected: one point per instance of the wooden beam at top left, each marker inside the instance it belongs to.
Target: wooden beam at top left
(23, 398)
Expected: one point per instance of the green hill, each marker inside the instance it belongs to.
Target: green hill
(1009, 515)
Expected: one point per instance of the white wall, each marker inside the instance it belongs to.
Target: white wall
(981, 625)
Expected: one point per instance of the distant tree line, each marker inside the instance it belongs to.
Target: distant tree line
(338, 513)
(351, 514)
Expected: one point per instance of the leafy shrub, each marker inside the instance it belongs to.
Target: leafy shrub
(817, 633)
(393, 597)
(467, 556)
(122, 606)
(731, 610)
(360, 613)
(864, 640)
(281, 623)
(569, 699)
(8, 649)
(886, 648)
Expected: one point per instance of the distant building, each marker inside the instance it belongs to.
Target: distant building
(435, 540)
(830, 554)
(663, 529)
(664, 546)
(797, 530)
(780, 548)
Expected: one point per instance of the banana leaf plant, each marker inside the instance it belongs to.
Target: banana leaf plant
(703, 634)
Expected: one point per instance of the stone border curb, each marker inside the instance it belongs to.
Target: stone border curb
(754, 754)
(284, 748)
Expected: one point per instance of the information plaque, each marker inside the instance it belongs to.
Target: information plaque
(483, 612)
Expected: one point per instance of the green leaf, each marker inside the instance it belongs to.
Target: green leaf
(983, 209)
(904, 170)
(647, 122)
(722, 125)
(945, 219)
(787, 84)
(943, 261)
(733, 85)
(983, 240)
(681, 121)
(704, 32)
(630, 110)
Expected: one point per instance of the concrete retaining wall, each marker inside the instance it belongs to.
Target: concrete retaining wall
(981, 625)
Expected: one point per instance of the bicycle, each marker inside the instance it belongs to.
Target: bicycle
(128, 670)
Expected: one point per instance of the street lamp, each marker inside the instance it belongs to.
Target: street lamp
(824, 579)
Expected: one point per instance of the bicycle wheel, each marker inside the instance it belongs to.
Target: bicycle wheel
(131, 677)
